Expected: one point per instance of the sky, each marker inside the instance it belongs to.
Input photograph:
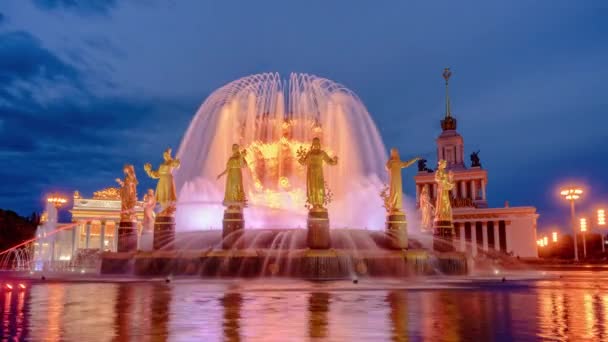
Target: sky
(89, 85)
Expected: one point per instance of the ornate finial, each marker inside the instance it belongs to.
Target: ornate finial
(448, 123)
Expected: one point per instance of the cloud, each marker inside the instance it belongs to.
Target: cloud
(87, 7)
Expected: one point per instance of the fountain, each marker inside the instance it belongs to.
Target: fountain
(252, 223)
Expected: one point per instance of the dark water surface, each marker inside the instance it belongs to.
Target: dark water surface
(573, 307)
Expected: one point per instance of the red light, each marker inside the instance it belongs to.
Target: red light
(9, 286)
(22, 286)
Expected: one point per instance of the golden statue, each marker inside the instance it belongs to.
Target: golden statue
(315, 183)
(394, 201)
(234, 196)
(427, 210)
(445, 183)
(149, 215)
(165, 189)
(128, 194)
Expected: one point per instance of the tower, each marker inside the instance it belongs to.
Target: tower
(450, 145)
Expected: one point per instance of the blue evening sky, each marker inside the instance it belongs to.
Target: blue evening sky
(88, 85)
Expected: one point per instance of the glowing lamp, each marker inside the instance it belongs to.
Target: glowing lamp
(56, 200)
(583, 224)
(571, 193)
(601, 217)
(545, 241)
(22, 286)
(554, 236)
(9, 286)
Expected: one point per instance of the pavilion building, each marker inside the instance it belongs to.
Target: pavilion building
(510, 230)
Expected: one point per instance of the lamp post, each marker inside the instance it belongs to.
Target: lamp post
(584, 230)
(601, 222)
(57, 201)
(554, 237)
(572, 194)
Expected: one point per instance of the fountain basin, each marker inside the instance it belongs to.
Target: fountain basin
(299, 263)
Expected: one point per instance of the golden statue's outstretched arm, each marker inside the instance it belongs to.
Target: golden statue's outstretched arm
(328, 160)
(151, 173)
(175, 163)
(304, 159)
(409, 162)
(221, 174)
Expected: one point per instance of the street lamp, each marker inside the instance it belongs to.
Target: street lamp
(584, 230)
(56, 200)
(601, 222)
(554, 236)
(572, 194)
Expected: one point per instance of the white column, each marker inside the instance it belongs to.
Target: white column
(483, 189)
(496, 237)
(88, 236)
(418, 190)
(463, 247)
(474, 238)
(463, 189)
(484, 229)
(102, 235)
(474, 189)
(74, 229)
(115, 237)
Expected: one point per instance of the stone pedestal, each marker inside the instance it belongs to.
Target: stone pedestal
(443, 235)
(145, 240)
(318, 230)
(127, 236)
(232, 228)
(164, 233)
(396, 231)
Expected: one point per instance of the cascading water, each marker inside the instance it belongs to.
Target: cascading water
(272, 123)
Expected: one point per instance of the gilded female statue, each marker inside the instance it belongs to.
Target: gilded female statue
(128, 194)
(445, 183)
(426, 209)
(234, 196)
(394, 202)
(315, 183)
(165, 189)
(149, 205)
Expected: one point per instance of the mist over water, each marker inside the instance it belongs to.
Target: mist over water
(272, 120)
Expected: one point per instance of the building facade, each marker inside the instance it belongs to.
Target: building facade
(510, 230)
(94, 229)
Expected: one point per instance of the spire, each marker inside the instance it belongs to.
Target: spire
(446, 75)
(449, 122)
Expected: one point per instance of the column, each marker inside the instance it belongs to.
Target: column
(115, 237)
(496, 237)
(88, 236)
(463, 189)
(474, 189)
(474, 238)
(102, 235)
(74, 229)
(483, 189)
(484, 230)
(434, 191)
(418, 190)
(463, 247)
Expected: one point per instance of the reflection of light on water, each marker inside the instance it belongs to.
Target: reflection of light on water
(589, 314)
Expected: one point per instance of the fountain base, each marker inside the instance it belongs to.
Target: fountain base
(443, 236)
(164, 232)
(305, 264)
(318, 230)
(396, 231)
(232, 228)
(127, 236)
